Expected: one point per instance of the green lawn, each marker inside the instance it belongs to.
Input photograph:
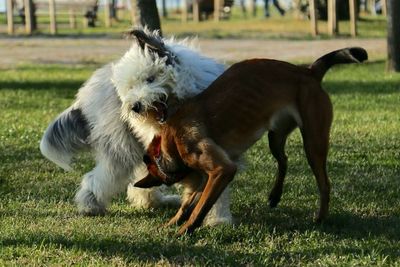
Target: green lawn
(39, 224)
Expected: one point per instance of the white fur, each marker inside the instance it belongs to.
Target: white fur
(118, 136)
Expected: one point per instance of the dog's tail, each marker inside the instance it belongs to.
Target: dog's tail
(341, 56)
(65, 136)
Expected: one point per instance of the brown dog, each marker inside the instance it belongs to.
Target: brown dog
(208, 133)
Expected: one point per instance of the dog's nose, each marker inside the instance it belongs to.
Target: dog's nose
(137, 107)
(146, 159)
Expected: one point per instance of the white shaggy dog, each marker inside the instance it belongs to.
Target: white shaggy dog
(109, 118)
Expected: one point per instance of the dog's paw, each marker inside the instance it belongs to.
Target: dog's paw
(88, 205)
(320, 218)
(150, 198)
(93, 212)
(274, 197)
(184, 230)
(273, 202)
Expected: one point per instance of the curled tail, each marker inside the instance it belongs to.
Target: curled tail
(341, 56)
(64, 137)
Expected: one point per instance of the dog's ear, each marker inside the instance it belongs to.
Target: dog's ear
(148, 181)
(153, 42)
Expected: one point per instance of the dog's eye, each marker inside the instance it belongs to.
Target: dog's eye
(150, 79)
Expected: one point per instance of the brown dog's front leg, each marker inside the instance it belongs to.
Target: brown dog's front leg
(220, 170)
(185, 210)
(193, 185)
(215, 186)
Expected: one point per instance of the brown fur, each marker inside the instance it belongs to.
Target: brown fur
(209, 133)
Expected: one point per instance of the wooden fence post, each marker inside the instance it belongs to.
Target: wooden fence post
(371, 7)
(217, 9)
(384, 7)
(353, 17)
(28, 17)
(52, 14)
(196, 11)
(107, 19)
(10, 17)
(184, 11)
(313, 18)
(332, 18)
(72, 18)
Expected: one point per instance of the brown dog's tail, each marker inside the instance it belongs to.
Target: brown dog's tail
(341, 56)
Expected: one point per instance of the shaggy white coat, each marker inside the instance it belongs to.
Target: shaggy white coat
(117, 136)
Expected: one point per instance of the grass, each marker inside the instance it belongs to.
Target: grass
(39, 224)
(237, 27)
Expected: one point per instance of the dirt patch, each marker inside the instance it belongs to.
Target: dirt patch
(14, 51)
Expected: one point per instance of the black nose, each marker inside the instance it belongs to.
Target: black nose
(137, 107)
(146, 159)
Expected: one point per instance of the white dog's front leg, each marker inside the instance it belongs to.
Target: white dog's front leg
(220, 213)
(99, 186)
(149, 198)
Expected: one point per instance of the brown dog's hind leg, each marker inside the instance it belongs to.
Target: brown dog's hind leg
(316, 155)
(317, 119)
(277, 141)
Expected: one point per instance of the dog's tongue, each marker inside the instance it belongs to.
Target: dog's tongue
(161, 111)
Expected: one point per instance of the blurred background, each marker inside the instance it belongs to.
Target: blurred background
(238, 18)
(337, 22)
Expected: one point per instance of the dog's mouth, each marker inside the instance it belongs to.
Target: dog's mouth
(160, 110)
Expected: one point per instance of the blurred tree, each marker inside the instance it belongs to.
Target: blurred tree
(113, 10)
(164, 9)
(145, 13)
(393, 17)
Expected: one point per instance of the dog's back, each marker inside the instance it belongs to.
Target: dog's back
(237, 108)
(257, 95)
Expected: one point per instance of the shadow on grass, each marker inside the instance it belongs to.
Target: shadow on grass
(341, 223)
(149, 251)
(63, 85)
(359, 87)
(352, 189)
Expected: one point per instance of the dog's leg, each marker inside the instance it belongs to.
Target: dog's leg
(220, 170)
(277, 141)
(220, 212)
(149, 198)
(99, 186)
(317, 119)
(185, 210)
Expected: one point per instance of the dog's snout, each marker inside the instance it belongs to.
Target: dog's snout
(137, 107)
(146, 159)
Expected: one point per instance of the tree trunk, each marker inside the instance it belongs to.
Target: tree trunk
(113, 10)
(164, 9)
(145, 13)
(393, 17)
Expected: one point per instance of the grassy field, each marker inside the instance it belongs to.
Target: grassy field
(39, 224)
(237, 27)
